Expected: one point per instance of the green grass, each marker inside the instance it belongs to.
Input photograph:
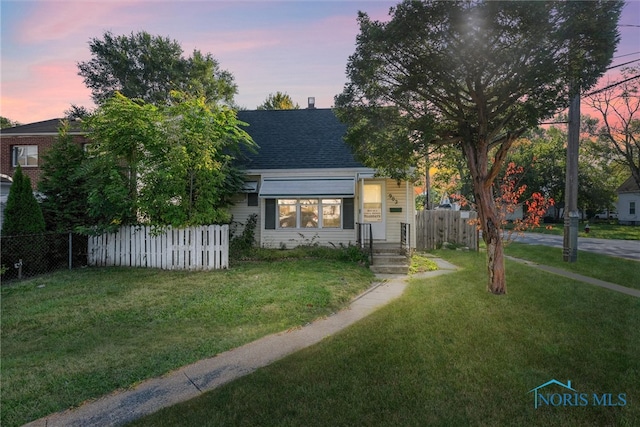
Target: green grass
(623, 272)
(598, 230)
(447, 353)
(77, 335)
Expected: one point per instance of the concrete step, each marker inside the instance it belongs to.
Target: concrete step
(389, 269)
(389, 259)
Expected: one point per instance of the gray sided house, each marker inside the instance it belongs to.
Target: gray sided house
(629, 203)
(305, 186)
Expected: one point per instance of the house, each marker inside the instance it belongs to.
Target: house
(629, 202)
(303, 183)
(305, 186)
(24, 145)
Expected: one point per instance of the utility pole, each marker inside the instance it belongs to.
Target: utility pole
(571, 214)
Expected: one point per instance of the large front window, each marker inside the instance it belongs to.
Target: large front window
(309, 213)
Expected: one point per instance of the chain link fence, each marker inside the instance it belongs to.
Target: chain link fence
(33, 254)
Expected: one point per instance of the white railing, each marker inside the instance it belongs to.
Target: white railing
(194, 248)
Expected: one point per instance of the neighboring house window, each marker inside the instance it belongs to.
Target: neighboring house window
(632, 208)
(252, 199)
(25, 155)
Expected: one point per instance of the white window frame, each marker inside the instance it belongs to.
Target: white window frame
(298, 210)
(28, 152)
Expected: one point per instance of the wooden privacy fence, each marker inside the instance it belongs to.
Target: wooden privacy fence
(433, 228)
(194, 248)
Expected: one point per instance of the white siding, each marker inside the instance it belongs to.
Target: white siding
(292, 238)
(399, 196)
(624, 201)
(241, 212)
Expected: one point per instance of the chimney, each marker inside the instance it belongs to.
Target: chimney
(312, 102)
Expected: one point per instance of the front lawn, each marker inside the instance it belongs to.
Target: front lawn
(448, 353)
(76, 335)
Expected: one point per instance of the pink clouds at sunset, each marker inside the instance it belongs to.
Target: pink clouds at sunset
(297, 47)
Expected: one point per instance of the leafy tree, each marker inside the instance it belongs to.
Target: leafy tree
(278, 101)
(65, 203)
(22, 214)
(163, 166)
(619, 108)
(6, 123)
(477, 74)
(149, 68)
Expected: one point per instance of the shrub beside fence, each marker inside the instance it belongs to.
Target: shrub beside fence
(33, 254)
(433, 228)
(194, 248)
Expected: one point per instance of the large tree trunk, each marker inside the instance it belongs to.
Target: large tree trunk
(488, 215)
(492, 236)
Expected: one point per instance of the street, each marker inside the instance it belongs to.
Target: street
(629, 249)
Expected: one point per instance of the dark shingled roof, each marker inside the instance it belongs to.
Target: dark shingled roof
(44, 127)
(297, 139)
(629, 186)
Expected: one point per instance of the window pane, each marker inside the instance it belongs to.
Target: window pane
(25, 155)
(287, 201)
(330, 216)
(287, 215)
(309, 216)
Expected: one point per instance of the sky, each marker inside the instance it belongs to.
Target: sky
(298, 47)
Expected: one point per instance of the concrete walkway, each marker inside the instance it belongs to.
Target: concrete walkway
(191, 381)
(579, 277)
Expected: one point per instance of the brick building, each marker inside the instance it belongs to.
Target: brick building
(25, 145)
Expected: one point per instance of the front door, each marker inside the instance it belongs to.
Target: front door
(373, 209)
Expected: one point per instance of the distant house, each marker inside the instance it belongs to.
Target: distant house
(24, 145)
(303, 183)
(629, 202)
(306, 187)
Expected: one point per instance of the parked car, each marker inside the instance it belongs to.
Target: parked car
(606, 215)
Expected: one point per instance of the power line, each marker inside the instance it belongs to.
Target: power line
(621, 65)
(626, 54)
(612, 85)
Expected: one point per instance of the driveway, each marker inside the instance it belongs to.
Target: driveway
(629, 249)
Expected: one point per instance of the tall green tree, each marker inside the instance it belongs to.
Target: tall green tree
(477, 74)
(171, 165)
(149, 67)
(278, 101)
(23, 214)
(65, 203)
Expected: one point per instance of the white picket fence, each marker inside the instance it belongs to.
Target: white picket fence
(194, 248)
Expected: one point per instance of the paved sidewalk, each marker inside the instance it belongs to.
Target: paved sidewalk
(190, 381)
(579, 277)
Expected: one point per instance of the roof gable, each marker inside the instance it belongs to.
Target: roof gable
(45, 127)
(629, 186)
(297, 139)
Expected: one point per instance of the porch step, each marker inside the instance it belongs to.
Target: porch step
(389, 262)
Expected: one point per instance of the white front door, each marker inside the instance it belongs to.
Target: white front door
(373, 209)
